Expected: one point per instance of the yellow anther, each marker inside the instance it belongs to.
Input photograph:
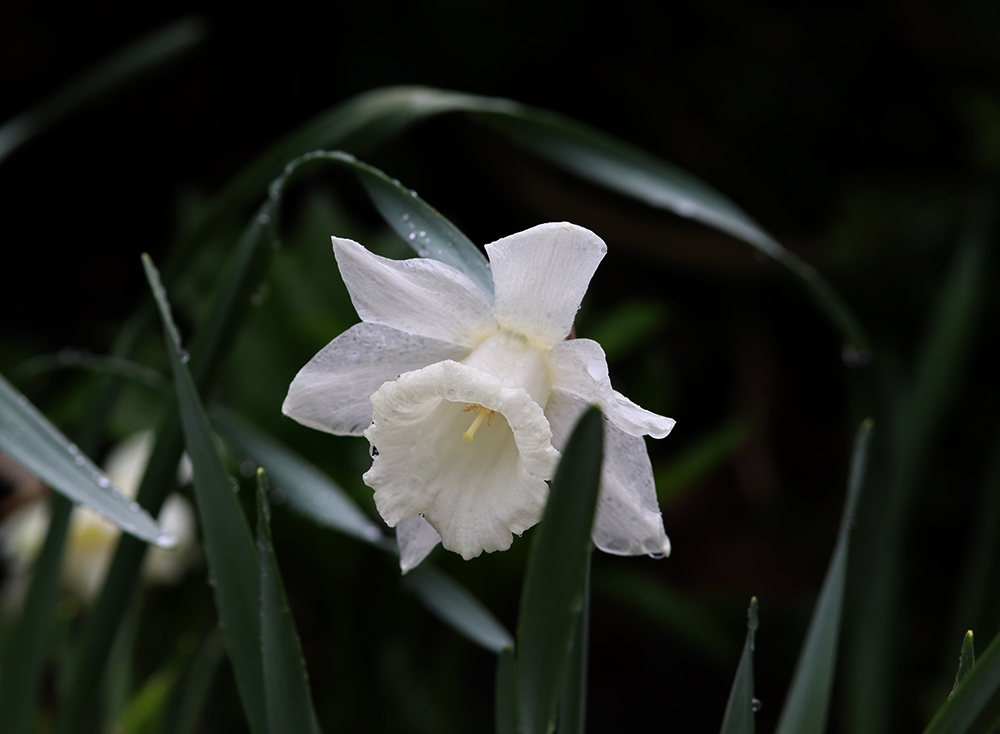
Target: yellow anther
(467, 436)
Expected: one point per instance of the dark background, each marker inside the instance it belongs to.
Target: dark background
(856, 133)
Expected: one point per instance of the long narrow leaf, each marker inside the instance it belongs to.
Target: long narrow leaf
(738, 718)
(808, 699)
(507, 709)
(189, 698)
(573, 697)
(24, 653)
(28, 437)
(917, 414)
(966, 662)
(286, 685)
(553, 596)
(975, 705)
(453, 604)
(307, 489)
(131, 62)
(229, 547)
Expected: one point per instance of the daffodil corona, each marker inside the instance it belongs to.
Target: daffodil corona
(466, 404)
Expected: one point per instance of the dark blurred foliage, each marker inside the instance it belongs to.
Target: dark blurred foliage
(856, 133)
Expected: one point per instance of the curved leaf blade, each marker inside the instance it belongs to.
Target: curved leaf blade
(286, 684)
(738, 718)
(455, 605)
(553, 596)
(229, 546)
(808, 701)
(308, 490)
(31, 440)
(974, 705)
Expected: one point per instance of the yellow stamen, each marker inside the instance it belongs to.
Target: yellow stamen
(467, 436)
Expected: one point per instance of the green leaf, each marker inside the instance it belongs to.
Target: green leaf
(507, 709)
(146, 708)
(129, 63)
(191, 694)
(805, 710)
(286, 685)
(455, 605)
(740, 709)
(97, 363)
(573, 697)
(307, 489)
(915, 417)
(975, 705)
(554, 593)
(233, 564)
(25, 649)
(28, 438)
(966, 661)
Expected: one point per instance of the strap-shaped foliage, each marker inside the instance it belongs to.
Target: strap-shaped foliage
(738, 718)
(554, 593)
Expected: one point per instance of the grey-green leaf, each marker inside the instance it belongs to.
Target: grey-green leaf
(808, 702)
(553, 596)
(286, 685)
(741, 706)
(456, 606)
(233, 566)
(307, 489)
(32, 441)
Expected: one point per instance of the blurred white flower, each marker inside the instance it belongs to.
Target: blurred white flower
(466, 405)
(91, 539)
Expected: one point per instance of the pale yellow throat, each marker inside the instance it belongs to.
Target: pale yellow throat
(478, 421)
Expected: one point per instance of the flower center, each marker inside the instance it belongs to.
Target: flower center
(467, 436)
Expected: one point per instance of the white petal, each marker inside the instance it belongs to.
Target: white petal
(333, 391)
(418, 296)
(628, 521)
(580, 368)
(475, 494)
(416, 540)
(541, 275)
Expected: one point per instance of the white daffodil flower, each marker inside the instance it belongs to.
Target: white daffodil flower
(467, 404)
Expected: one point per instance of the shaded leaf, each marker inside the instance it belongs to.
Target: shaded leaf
(507, 709)
(975, 705)
(127, 64)
(553, 596)
(307, 489)
(189, 697)
(456, 606)
(966, 661)
(573, 696)
(808, 701)
(232, 558)
(286, 685)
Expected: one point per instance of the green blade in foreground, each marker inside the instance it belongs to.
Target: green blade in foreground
(232, 557)
(554, 590)
(191, 694)
(573, 697)
(25, 650)
(507, 710)
(966, 662)
(28, 438)
(307, 489)
(808, 702)
(132, 61)
(975, 705)
(286, 685)
(452, 603)
(738, 718)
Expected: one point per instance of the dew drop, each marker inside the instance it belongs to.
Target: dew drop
(185, 357)
(72, 447)
(657, 556)
(413, 235)
(423, 233)
(134, 507)
(755, 705)
(79, 460)
(103, 482)
(166, 541)
(406, 217)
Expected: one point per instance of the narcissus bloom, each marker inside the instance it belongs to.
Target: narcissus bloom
(466, 404)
